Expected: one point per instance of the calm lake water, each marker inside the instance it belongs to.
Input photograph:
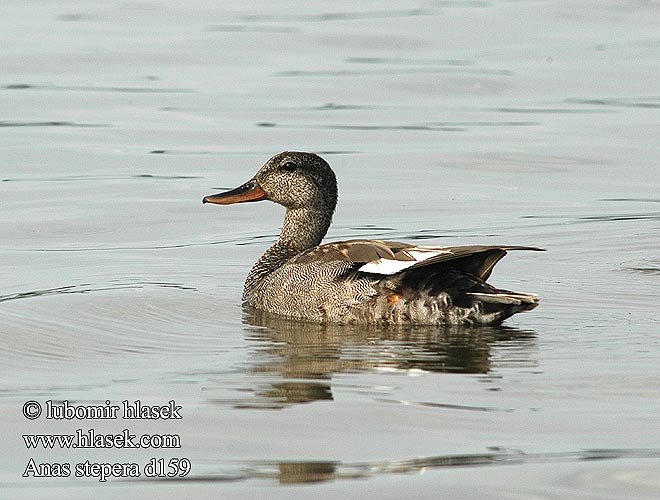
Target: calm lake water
(447, 123)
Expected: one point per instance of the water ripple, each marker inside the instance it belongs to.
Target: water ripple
(94, 178)
(639, 200)
(548, 110)
(390, 71)
(577, 219)
(91, 88)
(649, 102)
(300, 472)
(444, 406)
(89, 288)
(338, 16)
(416, 127)
(652, 269)
(243, 28)
(430, 126)
(409, 61)
(55, 123)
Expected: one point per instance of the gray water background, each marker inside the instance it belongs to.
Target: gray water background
(447, 123)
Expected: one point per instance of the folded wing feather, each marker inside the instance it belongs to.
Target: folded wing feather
(391, 257)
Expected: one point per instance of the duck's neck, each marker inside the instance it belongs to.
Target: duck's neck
(303, 228)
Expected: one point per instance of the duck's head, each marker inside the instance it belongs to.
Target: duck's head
(292, 179)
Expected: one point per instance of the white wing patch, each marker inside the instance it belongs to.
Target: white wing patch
(386, 266)
(392, 266)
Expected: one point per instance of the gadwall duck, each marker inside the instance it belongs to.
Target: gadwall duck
(361, 281)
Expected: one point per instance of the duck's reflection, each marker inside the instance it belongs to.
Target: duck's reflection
(306, 472)
(300, 472)
(296, 360)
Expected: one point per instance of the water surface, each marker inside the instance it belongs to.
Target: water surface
(447, 123)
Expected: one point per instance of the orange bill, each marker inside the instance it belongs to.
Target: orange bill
(250, 191)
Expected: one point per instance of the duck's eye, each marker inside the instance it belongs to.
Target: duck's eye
(289, 166)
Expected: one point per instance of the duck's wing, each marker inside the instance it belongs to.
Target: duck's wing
(355, 251)
(392, 257)
(478, 260)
